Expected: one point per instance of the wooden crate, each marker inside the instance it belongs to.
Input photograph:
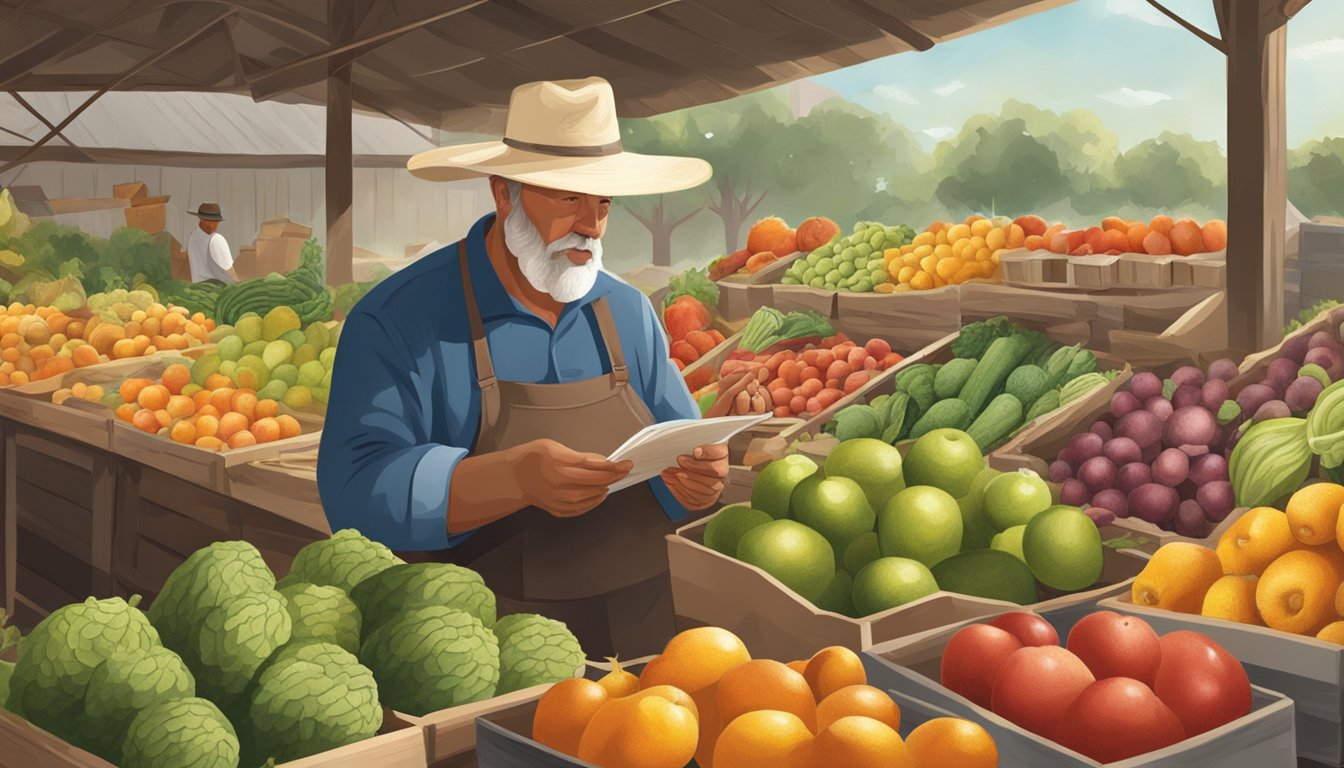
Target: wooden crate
(917, 318)
(58, 509)
(161, 519)
(199, 465)
(1133, 271)
(398, 745)
(793, 298)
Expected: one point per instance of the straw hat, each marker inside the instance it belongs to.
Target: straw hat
(208, 212)
(563, 135)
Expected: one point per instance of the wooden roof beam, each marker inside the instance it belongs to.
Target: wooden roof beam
(1216, 42)
(24, 60)
(33, 111)
(892, 25)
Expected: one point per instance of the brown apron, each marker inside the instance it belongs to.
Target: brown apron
(603, 573)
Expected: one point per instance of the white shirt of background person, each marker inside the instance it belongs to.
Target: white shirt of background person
(209, 256)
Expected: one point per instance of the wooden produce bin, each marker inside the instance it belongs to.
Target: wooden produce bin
(1135, 271)
(1307, 670)
(710, 588)
(397, 745)
(742, 294)
(909, 669)
(58, 510)
(917, 317)
(450, 734)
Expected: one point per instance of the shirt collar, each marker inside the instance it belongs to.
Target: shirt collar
(493, 301)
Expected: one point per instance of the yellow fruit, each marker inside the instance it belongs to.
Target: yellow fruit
(941, 238)
(923, 238)
(959, 248)
(655, 728)
(950, 742)
(885, 288)
(929, 264)
(1297, 592)
(958, 232)
(764, 739)
(981, 227)
(922, 281)
(984, 254)
(1016, 236)
(695, 659)
(862, 700)
(996, 239)
(922, 251)
(1177, 578)
(906, 274)
(860, 742)
(977, 242)
(1232, 598)
(942, 251)
(833, 668)
(902, 288)
(1257, 539)
(564, 711)
(618, 682)
(948, 267)
(1313, 512)
(1333, 632)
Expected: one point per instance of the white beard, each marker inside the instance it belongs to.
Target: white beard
(544, 265)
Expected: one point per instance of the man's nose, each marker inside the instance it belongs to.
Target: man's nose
(587, 223)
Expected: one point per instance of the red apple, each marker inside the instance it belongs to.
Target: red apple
(1112, 645)
(1036, 686)
(1202, 683)
(1118, 718)
(972, 659)
(1029, 629)
(1031, 225)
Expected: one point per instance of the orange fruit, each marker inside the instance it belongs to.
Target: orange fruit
(1232, 598)
(1215, 235)
(244, 402)
(1114, 222)
(183, 432)
(1177, 577)
(180, 406)
(230, 423)
(1257, 539)
(210, 443)
(130, 389)
(764, 739)
(41, 352)
(242, 439)
(765, 684)
(1332, 632)
(145, 421)
(208, 410)
(266, 430)
(1313, 513)
(564, 711)
(1135, 235)
(10, 340)
(1296, 593)
(772, 234)
(153, 397)
(207, 426)
(126, 411)
(221, 398)
(950, 742)
(618, 682)
(695, 659)
(200, 399)
(18, 378)
(123, 348)
(655, 728)
(175, 377)
(266, 409)
(1161, 224)
(859, 700)
(290, 427)
(10, 355)
(834, 668)
(217, 381)
(1186, 237)
(1333, 555)
(799, 666)
(84, 355)
(860, 742)
(1156, 243)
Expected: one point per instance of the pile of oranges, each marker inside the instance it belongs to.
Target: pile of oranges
(1282, 569)
(704, 697)
(215, 418)
(145, 331)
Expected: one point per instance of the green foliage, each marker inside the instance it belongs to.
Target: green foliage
(694, 283)
(1309, 314)
(343, 561)
(180, 733)
(432, 658)
(1316, 177)
(534, 650)
(1011, 172)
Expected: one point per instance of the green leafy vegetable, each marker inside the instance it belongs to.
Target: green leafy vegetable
(694, 283)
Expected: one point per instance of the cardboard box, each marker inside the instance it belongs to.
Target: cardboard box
(280, 255)
(134, 191)
(908, 670)
(151, 218)
(709, 588)
(283, 227)
(1307, 670)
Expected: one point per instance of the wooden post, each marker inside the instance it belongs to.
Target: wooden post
(1257, 172)
(340, 153)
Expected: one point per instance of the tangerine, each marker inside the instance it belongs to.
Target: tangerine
(242, 439)
(950, 742)
(764, 739)
(860, 742)
(618, 682)
(175, 377)
(834, 668)
(863, 700)
(695, 659)
(765, 684)
(655, 728)
(290, 427)
(564, 711)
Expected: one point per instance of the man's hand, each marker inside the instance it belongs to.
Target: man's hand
(697, 480)
(564, 482)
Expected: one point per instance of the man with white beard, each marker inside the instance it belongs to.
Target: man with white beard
(478, 392)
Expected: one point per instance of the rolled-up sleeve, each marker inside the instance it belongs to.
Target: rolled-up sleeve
(220, 252)
(379, 472)
(664, 392)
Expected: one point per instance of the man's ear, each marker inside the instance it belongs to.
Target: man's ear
(499, 190)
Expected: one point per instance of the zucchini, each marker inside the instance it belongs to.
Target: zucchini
(952, 377)
(945, 414)
(1001, 417)
(1080, 386)
(989, 375)
(1043, 405)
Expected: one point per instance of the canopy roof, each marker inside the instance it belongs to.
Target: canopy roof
(453, 63)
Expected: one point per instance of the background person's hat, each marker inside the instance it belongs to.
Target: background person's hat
(563, 135)
(208, 212)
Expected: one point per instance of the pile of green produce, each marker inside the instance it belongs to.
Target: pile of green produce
(229, 667)
(872, 531)
(1309, 314)
(304, 290)
(197, 297)
(348, 295)
(1002, 377)
(276, 356)
(768, 327)
(854, 263)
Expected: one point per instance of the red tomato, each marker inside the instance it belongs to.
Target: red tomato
(1036, 686)
(1202, 683)
(1118, 718)
(878, 348)
(1029, 629)
(1112, 645)
(973, 657)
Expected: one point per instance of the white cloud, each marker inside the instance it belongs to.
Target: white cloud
(895, 93)
(939, 132)
(949, 88)
(1140, 10)
(1331, 46)
(1128, 97)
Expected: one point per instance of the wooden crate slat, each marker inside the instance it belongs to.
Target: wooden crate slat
(43, 510)
(54, 563)
(55, 476)
(41, 592)
(175, 532)
(186, 498)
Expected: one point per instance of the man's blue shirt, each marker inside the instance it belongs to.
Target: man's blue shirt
(404, 405)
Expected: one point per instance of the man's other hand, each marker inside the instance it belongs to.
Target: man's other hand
(697, 480)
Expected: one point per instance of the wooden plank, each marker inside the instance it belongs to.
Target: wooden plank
(60, 519)
(11, 518)
(187, 499)
(57, 448)
(153, 564)
(40, 591)
(54, 476)
(64, 569)
(175, 532)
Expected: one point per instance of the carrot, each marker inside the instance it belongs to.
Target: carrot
(702, 341)
(699, 379)
(680, 365)
(684, 352)
(790, 372)
(773, 362)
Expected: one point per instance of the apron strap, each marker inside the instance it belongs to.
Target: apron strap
(607, 325)
(485, 369)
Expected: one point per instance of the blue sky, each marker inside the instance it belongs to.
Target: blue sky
(1121, 59)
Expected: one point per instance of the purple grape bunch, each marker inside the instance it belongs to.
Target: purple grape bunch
(1161, 456)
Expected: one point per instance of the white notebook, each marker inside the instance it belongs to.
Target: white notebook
(656, 447)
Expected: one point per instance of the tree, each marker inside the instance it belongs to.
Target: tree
(1169, 171)
(661, 223)
(1007, 171)
(1316, 178)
